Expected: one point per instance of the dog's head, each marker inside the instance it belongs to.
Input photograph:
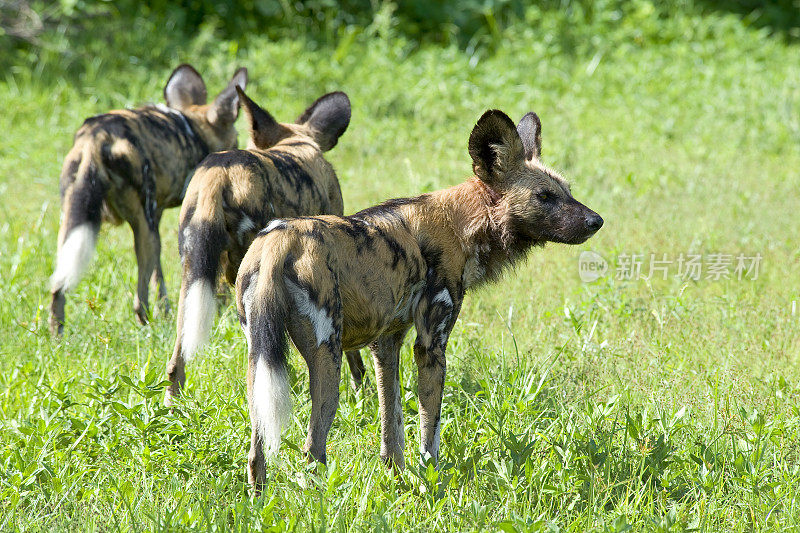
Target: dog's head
(537, 202)
(323, 122)
(186, 92)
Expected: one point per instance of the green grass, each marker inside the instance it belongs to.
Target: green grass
(645, 405)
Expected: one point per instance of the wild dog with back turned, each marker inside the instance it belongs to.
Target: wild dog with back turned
(282, 173)
(332, 283)
(130, 165)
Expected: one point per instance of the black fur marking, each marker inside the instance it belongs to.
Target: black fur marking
(398, 252)
(432, 256)
(234, 158)
(315, 234)
(290, 168)
(360, 233)
(268, 339)
(386, 209)
(68, 175)
(170, 125)
(149, 196)
(86, 199)
(295, 144)
(204, 250)
(119, 168)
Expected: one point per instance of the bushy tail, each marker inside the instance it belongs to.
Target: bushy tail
(83, 188)
(263, 314)
(202, 241)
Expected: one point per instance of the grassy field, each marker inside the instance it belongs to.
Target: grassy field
(623, 404)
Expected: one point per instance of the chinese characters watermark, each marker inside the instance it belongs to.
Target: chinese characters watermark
(685, 266)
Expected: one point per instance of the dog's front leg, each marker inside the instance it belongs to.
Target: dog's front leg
(386, 354)
(435, 317)
(431, 364)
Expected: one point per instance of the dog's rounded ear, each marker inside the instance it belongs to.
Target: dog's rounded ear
(495, 146)
(329, 117)
(225, 109)
(530, 131)
(265, 131)
(184, 88)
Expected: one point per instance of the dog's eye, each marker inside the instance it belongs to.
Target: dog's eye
(544, 196)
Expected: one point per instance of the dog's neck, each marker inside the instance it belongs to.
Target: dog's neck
(489, 236)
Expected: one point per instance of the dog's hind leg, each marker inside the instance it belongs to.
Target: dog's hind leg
(357, 369)
(147, 244)
(386, 354)
(157, 279)
(317, 334)
(324, 372)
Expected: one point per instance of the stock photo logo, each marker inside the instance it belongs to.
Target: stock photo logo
(591, 266)
(686, 266)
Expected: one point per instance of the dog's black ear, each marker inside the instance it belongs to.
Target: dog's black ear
(530, 131)
(184, 88)
(495, 146)
(265, 131)
(225, 109)
(329, 117)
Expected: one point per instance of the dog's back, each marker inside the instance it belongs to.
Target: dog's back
(130, 165)
(233, 194)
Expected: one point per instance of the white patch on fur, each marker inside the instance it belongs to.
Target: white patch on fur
(441, 329)
(271, 404)
(187, 235)
(245, 225)
(406, 305)
(198, 317)
(443, 324)
(166, 109)
(322, 323)
(444, 297)
(73, 257)
(274, 224)
(433, 451)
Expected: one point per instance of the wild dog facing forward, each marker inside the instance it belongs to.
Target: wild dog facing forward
(233, 194)
(130, 165)
(334, 283)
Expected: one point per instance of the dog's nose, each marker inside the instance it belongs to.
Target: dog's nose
(594, 222)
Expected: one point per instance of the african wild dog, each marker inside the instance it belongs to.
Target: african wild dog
(232, 194)
(334, 283)
(130, 165)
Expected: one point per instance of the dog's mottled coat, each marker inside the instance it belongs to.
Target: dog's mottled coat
(334, 283)
(130, 165)
(233, 194)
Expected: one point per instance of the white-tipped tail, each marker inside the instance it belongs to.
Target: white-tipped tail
(199, 307)
(272, 404)
(74, 256)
